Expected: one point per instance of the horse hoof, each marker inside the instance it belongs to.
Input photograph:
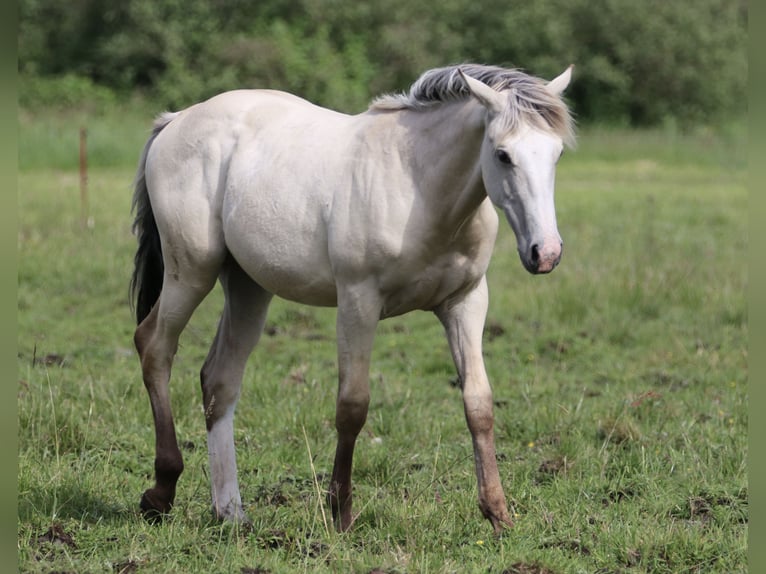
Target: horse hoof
(236, 517)
(153, 511)
(501, 524)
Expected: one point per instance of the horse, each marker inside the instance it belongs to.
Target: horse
(377, 214)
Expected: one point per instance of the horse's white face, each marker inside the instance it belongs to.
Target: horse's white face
(518, 170)
(519, 174)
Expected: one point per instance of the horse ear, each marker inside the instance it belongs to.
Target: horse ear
(489, 98)
(558, 84)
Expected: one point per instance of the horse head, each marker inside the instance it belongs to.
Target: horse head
(527, 127)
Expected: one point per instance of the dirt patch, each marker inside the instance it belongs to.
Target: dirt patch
(271, 495)
(671, 381)
(49, 360)
(126, 567)
(523, 568)
(493, 330)
(552, 467)
(621, 431)
(287, 489)
(617, 495)
(702, 508)
(188, 445)
(555, 347)
(574, 546)
(54, 542)
(297, 375)
(56, 535)
(277, 539)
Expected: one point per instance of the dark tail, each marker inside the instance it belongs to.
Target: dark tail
(146, 283)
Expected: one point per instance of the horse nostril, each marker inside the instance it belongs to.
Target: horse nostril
(534, 256)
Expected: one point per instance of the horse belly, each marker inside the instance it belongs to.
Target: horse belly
(284, 256)
(294, 284)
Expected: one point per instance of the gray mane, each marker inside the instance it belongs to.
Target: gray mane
(528, 99)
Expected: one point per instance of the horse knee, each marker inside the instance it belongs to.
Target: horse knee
(351, 412)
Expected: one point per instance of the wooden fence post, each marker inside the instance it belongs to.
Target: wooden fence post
(84, 177)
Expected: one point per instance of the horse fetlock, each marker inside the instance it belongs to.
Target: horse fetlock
(498, 516)
(501, 523)
(340, 501)
(232, 513)
(167, 469)
(495, 509)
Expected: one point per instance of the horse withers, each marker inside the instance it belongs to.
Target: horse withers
(378, 214)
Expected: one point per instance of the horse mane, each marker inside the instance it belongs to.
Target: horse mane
(528, 99)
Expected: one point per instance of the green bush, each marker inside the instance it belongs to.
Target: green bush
(637, 63)
(63, 92)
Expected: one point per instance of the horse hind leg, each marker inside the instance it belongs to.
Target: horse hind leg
(245, 309)
(156, 339)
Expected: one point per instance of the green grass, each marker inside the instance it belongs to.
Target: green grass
(620, 385)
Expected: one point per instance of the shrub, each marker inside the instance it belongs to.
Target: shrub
(63, 92)
(638, 63)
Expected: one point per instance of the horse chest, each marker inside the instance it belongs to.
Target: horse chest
(428, 285)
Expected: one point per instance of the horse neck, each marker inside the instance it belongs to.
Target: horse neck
(449, 140)
(440, 147)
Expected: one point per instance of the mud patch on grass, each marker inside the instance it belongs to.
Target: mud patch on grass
(670, 381)
(619, 431)
(281, 540)
(573, 546)
(707, 507)
(552, 467)
(621, 493)
(493, 330)
(57, 535)
(288, 488)
(523, 568)
(48, 360)
(53, 543)
(126, 567)
(296, 324)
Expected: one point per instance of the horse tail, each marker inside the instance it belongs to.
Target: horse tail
(146, 283)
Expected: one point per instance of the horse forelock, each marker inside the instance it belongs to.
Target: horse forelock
(528, 99)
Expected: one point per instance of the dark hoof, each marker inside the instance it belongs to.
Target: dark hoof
(153, 510)
(500, 523)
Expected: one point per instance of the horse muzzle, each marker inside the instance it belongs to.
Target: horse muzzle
(542, 259)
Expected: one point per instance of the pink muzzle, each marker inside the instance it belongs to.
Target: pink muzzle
(543, 259)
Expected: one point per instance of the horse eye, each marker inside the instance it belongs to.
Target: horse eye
(503, 157)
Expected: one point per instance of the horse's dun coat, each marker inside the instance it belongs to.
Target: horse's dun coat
(378, 214)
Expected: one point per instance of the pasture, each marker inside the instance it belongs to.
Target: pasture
(620, 385)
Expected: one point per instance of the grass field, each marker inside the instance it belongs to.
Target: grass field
(620, 388)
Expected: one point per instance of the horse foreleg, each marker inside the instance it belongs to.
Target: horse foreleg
(240, 328)
(358, 315)
(464, 323)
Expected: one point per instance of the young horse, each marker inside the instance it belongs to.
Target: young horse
(378, 214)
